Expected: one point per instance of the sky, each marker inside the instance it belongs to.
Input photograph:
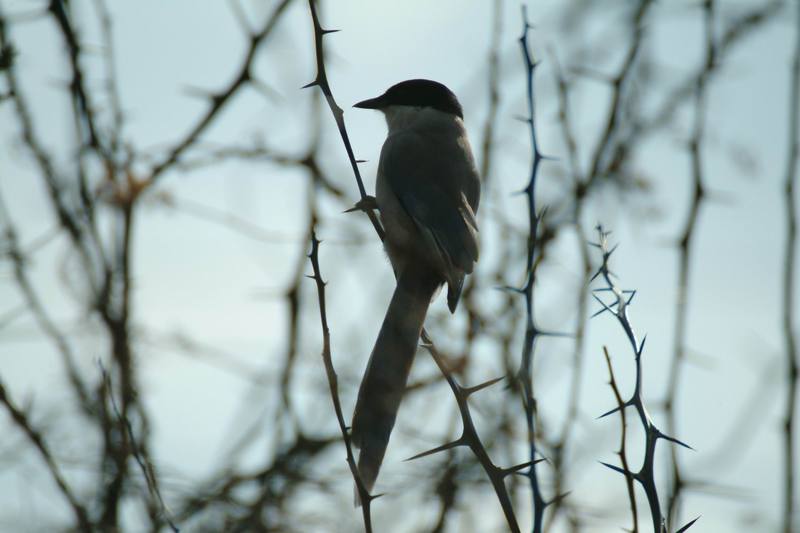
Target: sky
(169, 53)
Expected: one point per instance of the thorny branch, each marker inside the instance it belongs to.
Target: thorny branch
(266, 496)
(622, 452)
(364, 497)
(618, 307)
(21, 421)
(525, 373)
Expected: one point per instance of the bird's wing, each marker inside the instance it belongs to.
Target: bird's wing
(433, 189)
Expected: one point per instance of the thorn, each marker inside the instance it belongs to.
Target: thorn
(443, 447)
(525, 120)
(641, 346)
(516, 468)
(673, 439)
(687, 526)
(367, 203)
(618, 469)
(469, 390)
(611, 412)
(309, 85)
(326, 32)
(359, 161)
(632, 294)
(605, 307)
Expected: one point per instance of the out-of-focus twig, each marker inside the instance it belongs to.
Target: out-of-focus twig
(35, 306)
(219, 100)
(144, 462)
(684, 255)
(21, 421)
(789, 309)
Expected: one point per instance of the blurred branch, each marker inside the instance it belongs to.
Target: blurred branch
(59, 9)
(145, 464)
(684, 254)
(561, 447)
(34, 305)
(219, 100)
(789, 308)
(65, 215)
(21, 421)
(618, 84)
(729, 38)
(494, 95)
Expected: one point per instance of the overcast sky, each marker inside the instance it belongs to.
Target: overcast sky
(167, 51)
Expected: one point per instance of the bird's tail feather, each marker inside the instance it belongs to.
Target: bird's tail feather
(387, 372)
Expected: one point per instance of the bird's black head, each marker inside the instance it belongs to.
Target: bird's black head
(417, 93)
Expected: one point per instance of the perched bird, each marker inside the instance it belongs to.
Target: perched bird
(427, 192)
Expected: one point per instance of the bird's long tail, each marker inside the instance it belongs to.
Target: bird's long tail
(387, 371)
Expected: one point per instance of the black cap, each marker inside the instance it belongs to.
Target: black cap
(417, 93)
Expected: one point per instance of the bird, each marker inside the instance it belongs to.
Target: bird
(427, 192)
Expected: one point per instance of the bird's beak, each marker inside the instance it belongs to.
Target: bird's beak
(372, 103)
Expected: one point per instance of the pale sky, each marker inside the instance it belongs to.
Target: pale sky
(205, 282)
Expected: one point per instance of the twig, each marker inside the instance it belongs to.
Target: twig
(789, 287)
(321, 81)
(35, 306)
(148, 471)
(22, 422)
(618, 307)
(622, 452)
(470, 438)
(525, 373)
(219, 100)
(333, 383)
(562, 446)
(684, 256)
